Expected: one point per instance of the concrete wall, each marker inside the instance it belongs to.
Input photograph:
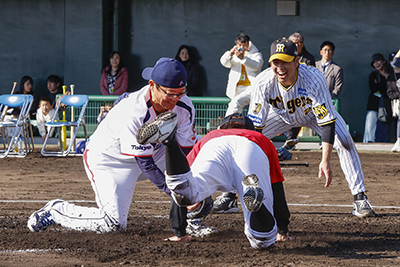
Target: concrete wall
(71, 38)
(40, 38)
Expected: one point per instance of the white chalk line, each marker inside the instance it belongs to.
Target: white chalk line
(30, 250)
(167, 202)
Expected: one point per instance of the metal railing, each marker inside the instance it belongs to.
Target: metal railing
(209, 113)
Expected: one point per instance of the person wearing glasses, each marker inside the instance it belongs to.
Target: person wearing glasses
(114, 161)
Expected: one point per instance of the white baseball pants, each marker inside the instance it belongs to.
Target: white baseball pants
(113, 181)
(220, 165)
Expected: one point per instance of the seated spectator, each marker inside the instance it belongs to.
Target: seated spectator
(44, 114)
(25, 87)
(184, 55)
(104, 110)
(54, 84)
(114, 78)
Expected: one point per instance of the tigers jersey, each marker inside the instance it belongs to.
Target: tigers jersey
(307, 98)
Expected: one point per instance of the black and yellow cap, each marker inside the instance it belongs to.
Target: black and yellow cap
(283, 49)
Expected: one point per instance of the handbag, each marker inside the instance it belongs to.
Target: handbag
(395, 107)
(382, 114)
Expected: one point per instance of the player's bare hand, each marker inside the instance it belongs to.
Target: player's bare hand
(325, 169)
(283, 238)
(185, 238)
(193, 207)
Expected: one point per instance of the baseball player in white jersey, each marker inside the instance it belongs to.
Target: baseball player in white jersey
(289, 94)
(114, 161)
(234, 157)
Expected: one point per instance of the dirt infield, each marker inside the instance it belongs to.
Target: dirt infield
(325, 232)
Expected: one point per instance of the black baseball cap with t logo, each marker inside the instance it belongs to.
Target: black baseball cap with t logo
(283, 49)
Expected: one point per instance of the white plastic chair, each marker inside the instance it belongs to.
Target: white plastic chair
(72, 101)
(13, 128)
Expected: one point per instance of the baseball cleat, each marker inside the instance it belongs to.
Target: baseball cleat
(362, 207)
(41, 219)
(226, 203)
(159, 130)
(396, 147)
(198, 229)
(290, 144)
(253, 195)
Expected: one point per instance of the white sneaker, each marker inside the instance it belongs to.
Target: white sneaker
(396, 147)
(198, 229)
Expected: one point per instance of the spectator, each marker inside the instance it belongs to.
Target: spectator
(44, 114)
(26, 87)
(104, 110)
(394, 93)
(186, 57)
(392, 64)
(114, 78)
(245, 62)
(303, 54)
(54, 84)
(379, 81)
(396, 59)
(332, 71)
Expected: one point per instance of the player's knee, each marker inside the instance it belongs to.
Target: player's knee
(260, 240)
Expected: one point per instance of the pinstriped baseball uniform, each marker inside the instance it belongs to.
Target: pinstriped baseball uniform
(275, 109)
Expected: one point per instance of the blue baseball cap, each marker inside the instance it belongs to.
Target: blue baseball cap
(167, 72)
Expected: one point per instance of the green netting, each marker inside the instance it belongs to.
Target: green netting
(209, 112)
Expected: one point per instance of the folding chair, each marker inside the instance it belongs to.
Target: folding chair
(71, 101)
(13, 128)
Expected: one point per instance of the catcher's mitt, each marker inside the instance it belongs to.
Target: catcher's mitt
(204, 209)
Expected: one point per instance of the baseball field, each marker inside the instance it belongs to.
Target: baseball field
(324, 231)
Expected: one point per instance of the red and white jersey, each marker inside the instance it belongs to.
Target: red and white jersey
(116, 134)
(308, 98)
(264, 143)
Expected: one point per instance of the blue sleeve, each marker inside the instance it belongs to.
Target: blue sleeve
(153, 173)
